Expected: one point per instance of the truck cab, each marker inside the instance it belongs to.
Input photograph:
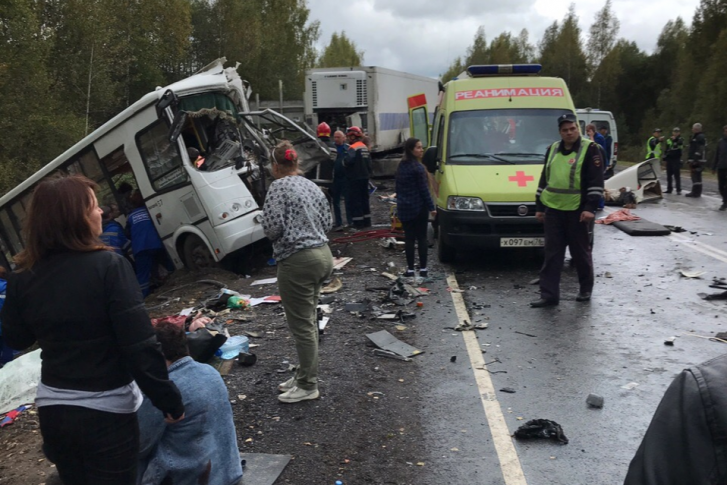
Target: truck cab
(490, 133)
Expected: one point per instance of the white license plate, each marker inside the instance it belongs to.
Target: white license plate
(522, 242)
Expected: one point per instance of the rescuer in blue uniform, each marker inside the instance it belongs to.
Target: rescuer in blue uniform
(570, 188)
(113, 234)
(145, 243)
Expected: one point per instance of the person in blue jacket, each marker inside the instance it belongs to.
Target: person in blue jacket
(203, 447)
(6, 353)
(340, 184)
(113, 234)
(146, 244)
(598, 138)
(414, 204)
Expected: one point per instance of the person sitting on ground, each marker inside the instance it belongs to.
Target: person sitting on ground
(202, 449)
(113, 234)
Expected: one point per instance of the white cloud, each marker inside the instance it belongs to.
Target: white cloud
(424, 37)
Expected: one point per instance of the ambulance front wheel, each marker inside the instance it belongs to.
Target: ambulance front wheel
(445, 252)
(196, 254)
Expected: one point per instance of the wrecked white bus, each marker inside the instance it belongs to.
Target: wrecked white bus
(202, 216)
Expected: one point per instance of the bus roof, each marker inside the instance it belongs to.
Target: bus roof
(211, 78)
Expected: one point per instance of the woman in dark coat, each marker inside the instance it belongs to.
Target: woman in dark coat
(80, 301)
(414, 204)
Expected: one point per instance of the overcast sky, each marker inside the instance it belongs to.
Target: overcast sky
(424, 36)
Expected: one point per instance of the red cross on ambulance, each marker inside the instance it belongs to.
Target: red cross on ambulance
(521, 179)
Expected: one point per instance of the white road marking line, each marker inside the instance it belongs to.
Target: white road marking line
(706, 249)
(512, 471)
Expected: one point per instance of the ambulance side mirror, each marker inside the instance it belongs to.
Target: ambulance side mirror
(430, 159)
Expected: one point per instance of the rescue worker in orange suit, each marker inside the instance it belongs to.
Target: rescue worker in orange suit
(358, 171)
(570, 188)
(324, 135)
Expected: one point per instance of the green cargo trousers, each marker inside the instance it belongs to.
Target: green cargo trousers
(300, 277)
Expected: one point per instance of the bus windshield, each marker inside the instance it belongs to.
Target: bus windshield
(502, 136)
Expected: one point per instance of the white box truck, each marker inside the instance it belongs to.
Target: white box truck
(373, 98)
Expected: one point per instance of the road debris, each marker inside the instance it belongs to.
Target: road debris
(390, 355)
(356, 307)
(526, 334)
(384, 340)
(630, 386)
(692, 274)
(713, 339)
(670, 341)
(339, 263)
(541, 428)
(465, 326)
(266, 281)
(508, 390)
(332, 287)
(594, 401)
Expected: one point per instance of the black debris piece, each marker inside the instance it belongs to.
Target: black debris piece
(508, 390)
(541, 428)
(453, 358)
(713, 296)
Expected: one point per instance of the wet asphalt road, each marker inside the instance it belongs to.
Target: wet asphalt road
(572, 350)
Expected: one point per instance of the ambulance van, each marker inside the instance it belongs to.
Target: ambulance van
(487, 149)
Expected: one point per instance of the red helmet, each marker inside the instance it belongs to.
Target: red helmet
(355, 131)
(324, 129)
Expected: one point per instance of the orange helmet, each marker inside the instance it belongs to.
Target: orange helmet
(324, 129)
(355, 131)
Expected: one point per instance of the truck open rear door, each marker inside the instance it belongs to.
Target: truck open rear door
(419, 118)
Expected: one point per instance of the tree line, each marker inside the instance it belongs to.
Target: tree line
(682, 82)
(67, 66)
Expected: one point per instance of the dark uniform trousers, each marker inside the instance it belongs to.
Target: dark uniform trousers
(564, 229)
(696, 169)
(358, 193)
(673, 170)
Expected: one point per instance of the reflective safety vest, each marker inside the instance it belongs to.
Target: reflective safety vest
(656, 152)
(563, 178)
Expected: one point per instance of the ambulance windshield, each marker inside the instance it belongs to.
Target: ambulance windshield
(494, 137)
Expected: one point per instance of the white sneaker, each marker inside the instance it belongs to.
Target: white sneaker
(287, 385)
(296, 394)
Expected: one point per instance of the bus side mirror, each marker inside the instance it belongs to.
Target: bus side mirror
(430, 159)
(180, 119)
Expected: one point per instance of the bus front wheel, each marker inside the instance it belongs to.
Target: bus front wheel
(196, 254)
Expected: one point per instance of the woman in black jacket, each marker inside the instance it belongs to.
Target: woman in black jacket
(80, 301)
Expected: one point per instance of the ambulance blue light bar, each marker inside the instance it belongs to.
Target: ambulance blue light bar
(504, 69)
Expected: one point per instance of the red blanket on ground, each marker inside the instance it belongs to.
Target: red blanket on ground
(619, 215)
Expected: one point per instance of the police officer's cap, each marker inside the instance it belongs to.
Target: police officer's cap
(567, 118)
(657, 130)
(677, 129)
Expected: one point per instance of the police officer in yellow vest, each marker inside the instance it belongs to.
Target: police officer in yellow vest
(570, 188)
(653, 145)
